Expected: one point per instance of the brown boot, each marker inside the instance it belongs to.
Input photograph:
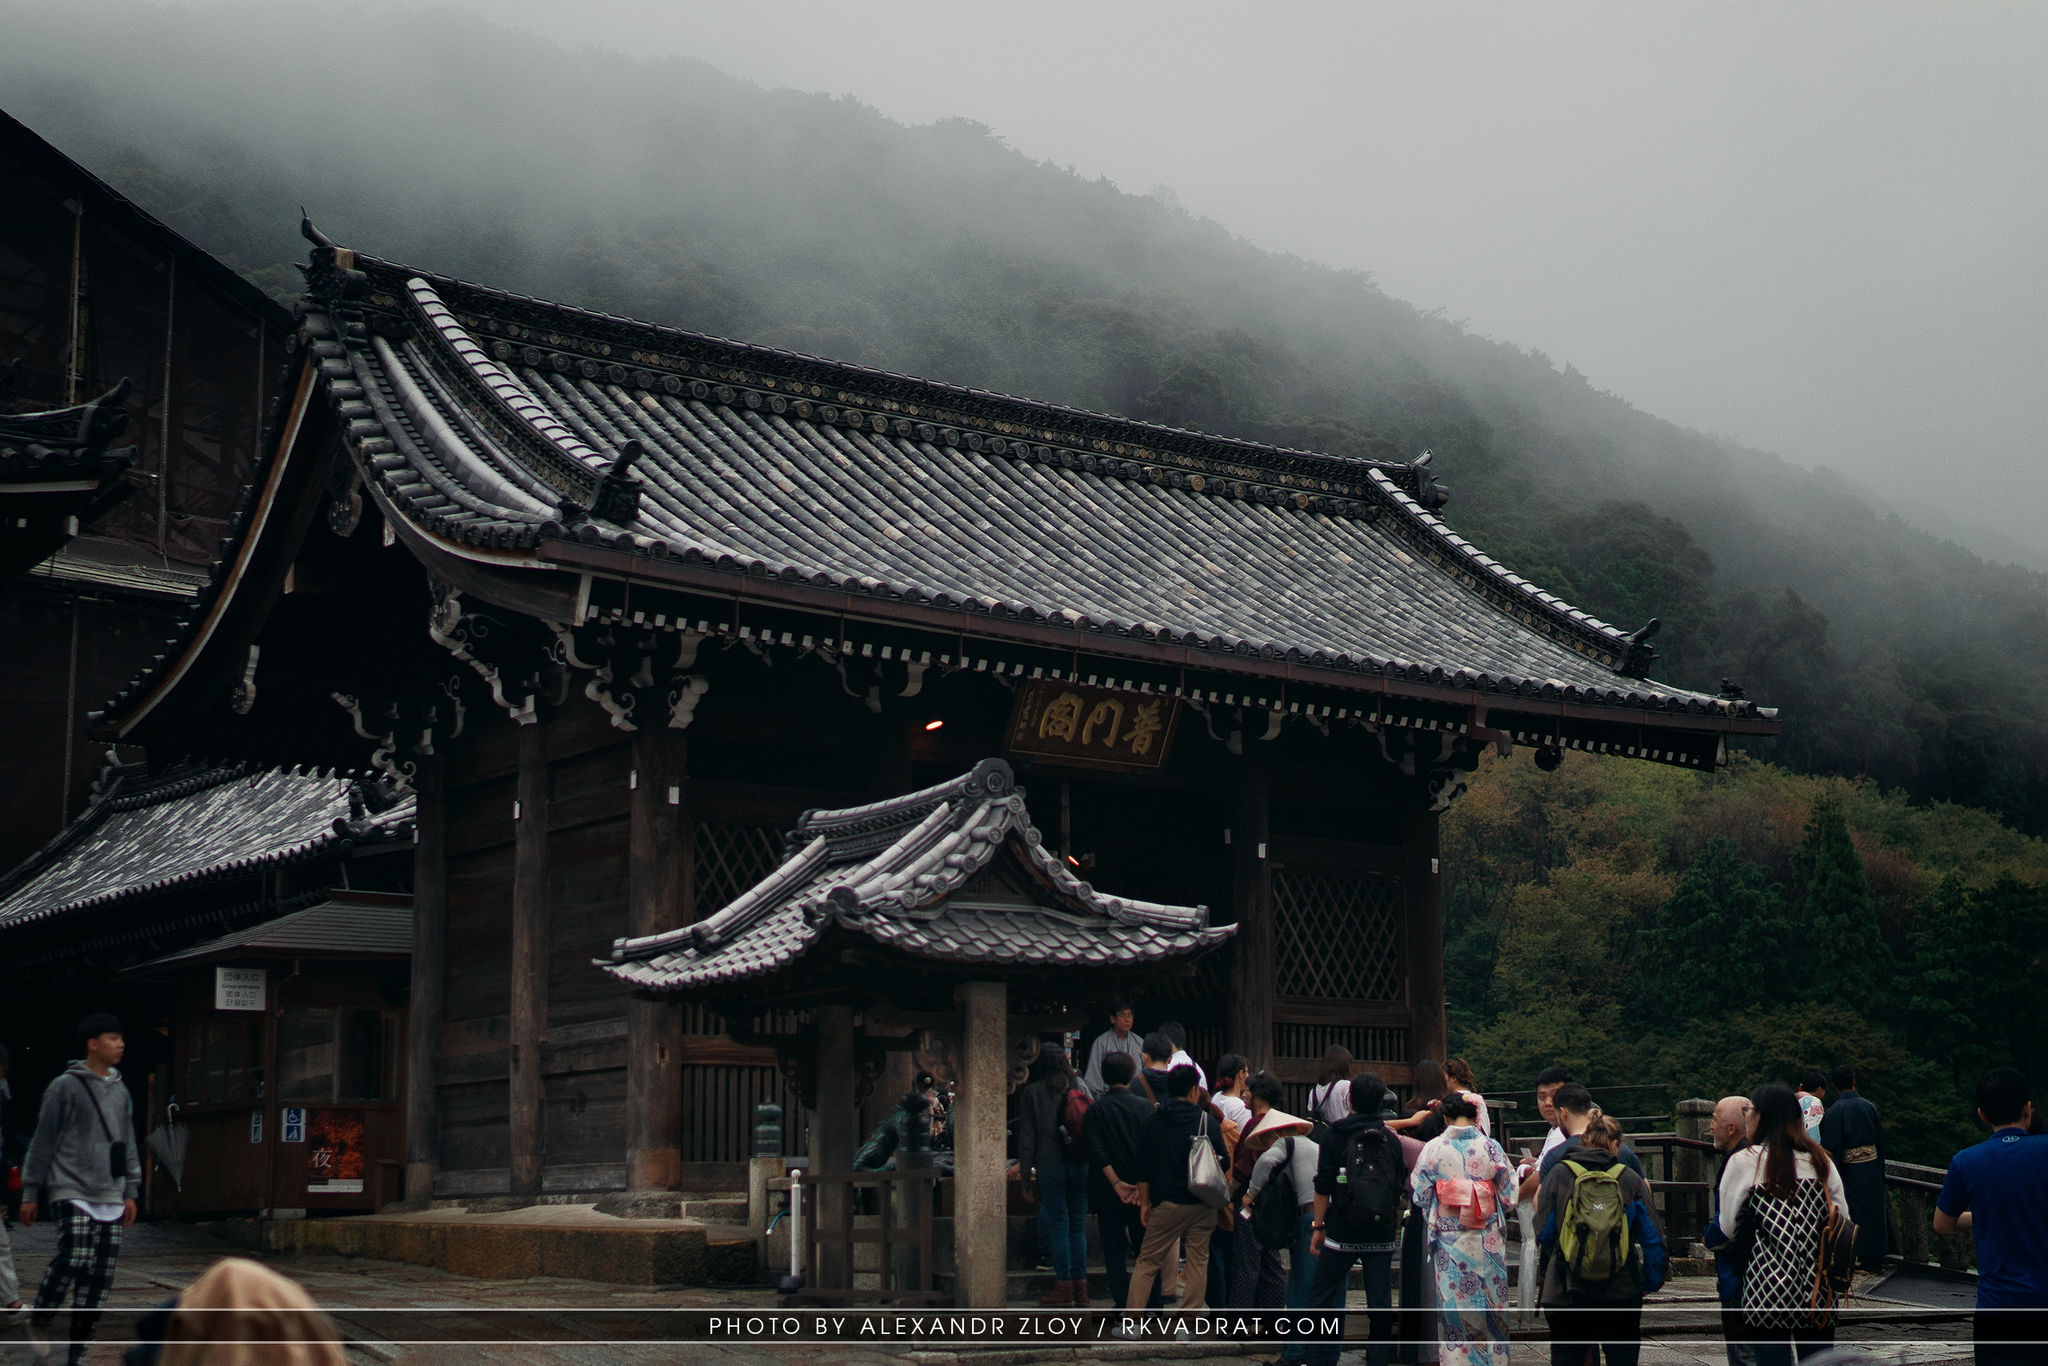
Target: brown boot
(1080, 1293)
(1061, 1296)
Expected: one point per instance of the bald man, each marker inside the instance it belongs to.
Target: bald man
(1729, 1128)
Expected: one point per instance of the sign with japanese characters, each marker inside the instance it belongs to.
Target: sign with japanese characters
(1094, 727)
(238, 988)
(335, 1164)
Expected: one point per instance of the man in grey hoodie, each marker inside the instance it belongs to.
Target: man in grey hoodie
(83, 1170)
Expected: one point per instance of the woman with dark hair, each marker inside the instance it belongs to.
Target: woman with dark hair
(1792, 1190)
(1422, 1120)
(1460, 1073)
(1330, 1099)
(1050, 1171)
(1463, 1187)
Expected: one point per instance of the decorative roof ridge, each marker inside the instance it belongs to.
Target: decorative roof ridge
(853, 830)
(889, 389)
(723, 925)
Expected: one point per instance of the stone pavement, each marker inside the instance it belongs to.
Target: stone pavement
(594, 1325)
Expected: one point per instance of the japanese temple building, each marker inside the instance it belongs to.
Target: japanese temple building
(619, 604)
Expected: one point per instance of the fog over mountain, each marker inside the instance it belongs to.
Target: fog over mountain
(1818, 228)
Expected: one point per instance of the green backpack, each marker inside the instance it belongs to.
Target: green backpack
(1593, 1234)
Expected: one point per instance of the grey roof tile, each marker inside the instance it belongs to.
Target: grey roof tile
(899, 872)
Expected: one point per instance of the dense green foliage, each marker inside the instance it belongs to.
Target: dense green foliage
(1643, 924)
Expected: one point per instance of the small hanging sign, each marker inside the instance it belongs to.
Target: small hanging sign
(1093, 727)
(240, 988)
(294, 1124)
(255, 1126)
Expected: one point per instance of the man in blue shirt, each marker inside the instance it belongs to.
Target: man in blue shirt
(1999, 1191)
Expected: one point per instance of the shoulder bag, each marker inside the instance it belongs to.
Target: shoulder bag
(1205, 1174)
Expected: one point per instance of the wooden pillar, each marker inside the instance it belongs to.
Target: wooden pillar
(1251, 963)
(1431, 1034)
(656, 901)
(529, 974)
(832, 1133)
(980, 1152)
(429, 981)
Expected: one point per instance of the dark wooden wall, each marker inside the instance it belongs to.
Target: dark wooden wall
(1336, 900)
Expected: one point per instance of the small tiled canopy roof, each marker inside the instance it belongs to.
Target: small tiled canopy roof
(141, 837)
(954, 874)
(351, 925)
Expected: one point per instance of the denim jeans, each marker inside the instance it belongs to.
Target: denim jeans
(1063, 1218)
(1581, 1334)
(1779, 1344)
(1326, 1291)
(1123, 1234)
(1301, 1276)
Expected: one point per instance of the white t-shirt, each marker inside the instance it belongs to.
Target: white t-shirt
(1746, 1168)
(1234, 1110)
(1557, 1139)
(1330, 1103)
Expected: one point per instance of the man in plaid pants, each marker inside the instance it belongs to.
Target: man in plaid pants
(83, 1170)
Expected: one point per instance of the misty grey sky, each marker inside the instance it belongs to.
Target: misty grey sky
(1818, 228)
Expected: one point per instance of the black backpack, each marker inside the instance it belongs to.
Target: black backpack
(1372, 1187)
(1276, 1217)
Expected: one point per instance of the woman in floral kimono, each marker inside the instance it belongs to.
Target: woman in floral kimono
(1463, 1187)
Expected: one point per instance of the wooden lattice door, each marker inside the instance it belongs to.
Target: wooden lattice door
(1337, 938)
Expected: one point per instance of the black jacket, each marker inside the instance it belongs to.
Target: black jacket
(1163, 1145)
(1115, 1123)
(1038, 1127)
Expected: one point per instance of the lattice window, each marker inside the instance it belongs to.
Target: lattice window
(730, 859)
(1337, 938)
(1366, 1043)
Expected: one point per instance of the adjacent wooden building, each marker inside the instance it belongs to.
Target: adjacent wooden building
(621, 603)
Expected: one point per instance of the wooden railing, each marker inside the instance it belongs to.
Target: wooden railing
(824, 1209)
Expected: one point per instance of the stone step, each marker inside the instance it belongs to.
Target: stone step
(716, 1210)
(1026, 1287)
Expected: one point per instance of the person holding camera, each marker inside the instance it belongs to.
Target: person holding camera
(83, 1171)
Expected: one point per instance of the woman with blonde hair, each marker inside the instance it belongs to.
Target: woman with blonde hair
(241, 1313)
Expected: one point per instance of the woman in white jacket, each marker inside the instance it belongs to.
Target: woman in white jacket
(1791, 1189)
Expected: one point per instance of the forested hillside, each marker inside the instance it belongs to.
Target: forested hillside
(1645, 924)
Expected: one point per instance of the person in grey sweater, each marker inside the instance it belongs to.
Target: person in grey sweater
(83, 1171)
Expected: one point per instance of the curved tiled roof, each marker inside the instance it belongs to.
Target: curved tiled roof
(513, 431)
(193, 827)
(952, 874)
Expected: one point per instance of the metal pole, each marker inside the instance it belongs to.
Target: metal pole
(163, 447)
(794, 1281)
(75, 351)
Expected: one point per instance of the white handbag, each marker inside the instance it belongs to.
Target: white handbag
(1205, 1174)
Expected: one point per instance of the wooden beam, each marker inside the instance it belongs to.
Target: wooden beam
(529, 970)
(833, 1139)
(429, 993)
(1425, 934)
(1251, 964)
(656, 900)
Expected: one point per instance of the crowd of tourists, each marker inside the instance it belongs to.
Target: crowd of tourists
(1207, 1184)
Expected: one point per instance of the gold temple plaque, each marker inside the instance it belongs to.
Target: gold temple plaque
(1098, 727)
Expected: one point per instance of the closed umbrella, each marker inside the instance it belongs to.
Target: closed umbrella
(169, 1141)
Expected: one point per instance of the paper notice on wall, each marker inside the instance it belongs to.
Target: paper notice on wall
(336, 1164)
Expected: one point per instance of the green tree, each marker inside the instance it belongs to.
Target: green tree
(1723, 942)
(1838, 918)
(1978, 958)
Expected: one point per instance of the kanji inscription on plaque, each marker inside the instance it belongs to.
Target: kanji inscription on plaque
(1097, 727)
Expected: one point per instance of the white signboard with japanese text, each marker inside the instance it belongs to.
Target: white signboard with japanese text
(240, 988)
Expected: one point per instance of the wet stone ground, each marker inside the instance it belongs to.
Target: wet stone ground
(554, 1322)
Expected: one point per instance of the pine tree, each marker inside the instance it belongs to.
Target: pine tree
(1723, 942)
(1839, 931)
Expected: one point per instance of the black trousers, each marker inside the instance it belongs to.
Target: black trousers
(2013, 1338)
(1579, 1333)
(1123, 1234)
